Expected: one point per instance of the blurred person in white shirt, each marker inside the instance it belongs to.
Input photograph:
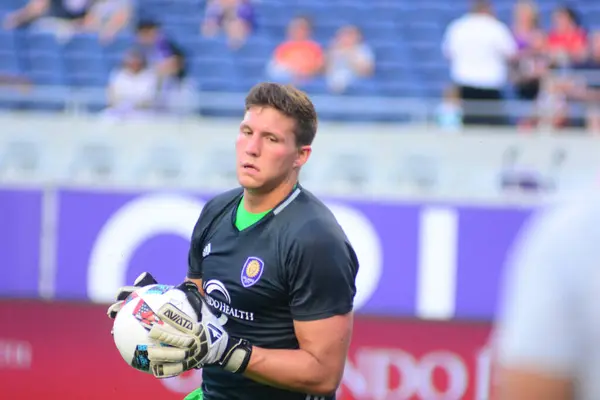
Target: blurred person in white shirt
(479, 48)
(349, 59)
(177, 94)
(132, 88)
(547, 337)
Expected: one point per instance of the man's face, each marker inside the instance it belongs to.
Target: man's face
(299, 29)
(266, 149)
(147, 36)
(562, 21)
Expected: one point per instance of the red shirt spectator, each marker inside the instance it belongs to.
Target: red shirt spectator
(567, 41)
(299, 58)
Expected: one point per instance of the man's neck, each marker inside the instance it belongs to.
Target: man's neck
(256, 202)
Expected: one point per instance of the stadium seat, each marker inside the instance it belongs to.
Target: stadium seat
(86, 69)
(93, 161)
(20, 157)
(163, 164)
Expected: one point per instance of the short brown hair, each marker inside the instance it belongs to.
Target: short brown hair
(290, 101)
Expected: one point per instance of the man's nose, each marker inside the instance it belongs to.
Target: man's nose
(253, 145)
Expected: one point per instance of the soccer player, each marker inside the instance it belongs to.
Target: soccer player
(548, 334)
(271, 272)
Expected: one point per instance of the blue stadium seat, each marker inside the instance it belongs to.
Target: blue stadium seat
(7, 41)
(118, 46)
(46, 67)
(86, 70)
(9, 63)
(257, 46)
(205, 67)
(366, 87)
(315, 87)
(83, 44)
(44, 42)
(251, 68)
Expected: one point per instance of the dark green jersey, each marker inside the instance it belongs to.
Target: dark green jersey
(295, 263)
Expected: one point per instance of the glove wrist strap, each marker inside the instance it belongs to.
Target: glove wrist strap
(237, 357)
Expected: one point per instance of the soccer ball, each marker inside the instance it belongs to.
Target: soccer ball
(135, 319)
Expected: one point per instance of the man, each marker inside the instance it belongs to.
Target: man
(55, 13)
(298, 59)
(548, 334)
(479, 48)
(158, 49)
(276, 271)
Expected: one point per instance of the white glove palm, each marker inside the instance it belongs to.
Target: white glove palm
(195, 344)
(144, 279)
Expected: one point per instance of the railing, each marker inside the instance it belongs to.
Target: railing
(359, 160)
(76, 101)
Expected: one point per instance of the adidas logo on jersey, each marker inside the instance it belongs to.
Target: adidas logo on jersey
(206, 250)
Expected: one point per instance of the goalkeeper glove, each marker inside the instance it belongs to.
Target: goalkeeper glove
(145, 279)
(196, 344)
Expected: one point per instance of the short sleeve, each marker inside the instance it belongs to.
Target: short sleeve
(196, 244)
(447, 40)
(114, 76)
(367, 54)
(539, 318)
(322, 273)
(507, 42)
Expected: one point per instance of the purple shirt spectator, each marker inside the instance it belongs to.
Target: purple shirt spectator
(233, 17)
(220, 12)
(153, 43)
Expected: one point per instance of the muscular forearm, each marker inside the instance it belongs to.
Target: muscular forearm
(295, 370)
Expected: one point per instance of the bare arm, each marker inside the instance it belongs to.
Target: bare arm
(110, 96)
(540, 335)
(34, 9)
(316, 368)
(117, 22)
(523, 384)
(363, 65)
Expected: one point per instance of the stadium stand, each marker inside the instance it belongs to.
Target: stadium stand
(407, 85)
(405, 36)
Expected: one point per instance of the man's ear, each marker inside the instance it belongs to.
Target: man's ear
(303, 155)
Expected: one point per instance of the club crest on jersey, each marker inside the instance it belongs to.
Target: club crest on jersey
(251, 271)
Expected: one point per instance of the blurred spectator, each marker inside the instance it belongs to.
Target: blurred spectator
(298, 59)
(18, 82)
(531, 68)
(108, 18)
(585, 85)
(479, 48)
(525, 23)
(177, 92)
(567, 39)
(132, 88)
(157, 48)
(531, 65)
(552, 107)
(349, 59)
(60, 17)
(449, 112)
(234, 17)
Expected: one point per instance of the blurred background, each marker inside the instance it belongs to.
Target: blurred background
(444, 125)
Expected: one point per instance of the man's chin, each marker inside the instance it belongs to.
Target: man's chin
(248, 183)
